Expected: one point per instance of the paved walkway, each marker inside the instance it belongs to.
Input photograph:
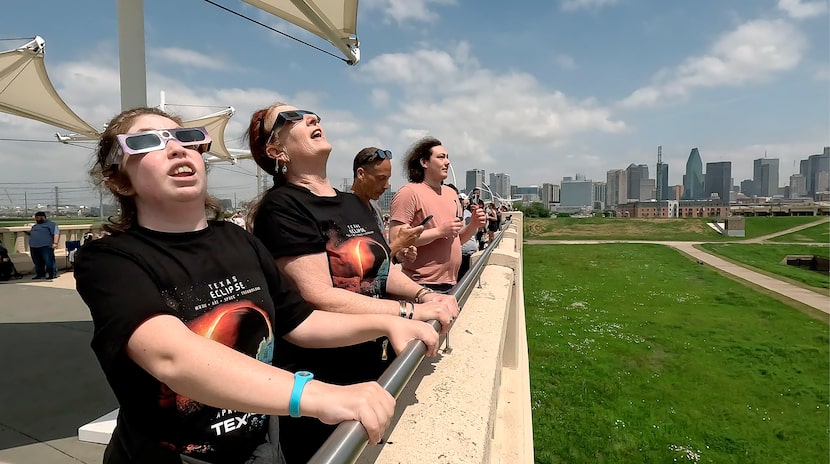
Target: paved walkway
(51, 382)
(808, 297)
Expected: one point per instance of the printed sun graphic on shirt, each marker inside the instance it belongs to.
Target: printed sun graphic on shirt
(358, 262)
(246, 328)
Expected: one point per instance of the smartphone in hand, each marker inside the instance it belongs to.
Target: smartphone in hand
(426, 220)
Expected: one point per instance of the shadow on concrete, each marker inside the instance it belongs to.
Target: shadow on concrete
(407, 397)
(51, 383)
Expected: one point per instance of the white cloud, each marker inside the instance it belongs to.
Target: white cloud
(565, 61)
(822, 72)
(380, 97)
(481, 116)
(753, 52)
(405, 10)
(572, 5)
(192, 58)
(799, 10)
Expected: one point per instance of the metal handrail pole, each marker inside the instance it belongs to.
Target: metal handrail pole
(347, 441)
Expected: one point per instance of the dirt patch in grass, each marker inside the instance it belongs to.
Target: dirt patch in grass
(619, 229)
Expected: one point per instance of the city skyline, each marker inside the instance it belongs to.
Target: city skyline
(602, 89)
(782, 181)
(714, 182)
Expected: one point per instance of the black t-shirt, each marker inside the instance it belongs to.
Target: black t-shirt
(292, 221)
(222, 283)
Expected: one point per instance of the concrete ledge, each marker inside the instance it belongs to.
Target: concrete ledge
(450, 415)
(99, 430)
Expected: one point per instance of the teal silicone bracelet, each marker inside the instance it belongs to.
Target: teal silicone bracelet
(300, 379)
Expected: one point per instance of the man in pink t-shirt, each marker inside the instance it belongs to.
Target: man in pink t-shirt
(439, 246)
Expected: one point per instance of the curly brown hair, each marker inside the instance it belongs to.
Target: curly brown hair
(420, 150)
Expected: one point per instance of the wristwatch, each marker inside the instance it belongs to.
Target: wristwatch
(300, 379)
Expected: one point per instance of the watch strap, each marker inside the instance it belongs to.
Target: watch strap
(300, 379)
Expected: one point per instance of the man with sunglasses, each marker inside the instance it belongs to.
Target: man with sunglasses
(372, 168)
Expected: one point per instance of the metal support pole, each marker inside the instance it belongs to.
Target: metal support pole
(132, 61)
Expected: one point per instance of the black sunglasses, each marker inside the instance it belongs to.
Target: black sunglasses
(282, 118)
(372, 157)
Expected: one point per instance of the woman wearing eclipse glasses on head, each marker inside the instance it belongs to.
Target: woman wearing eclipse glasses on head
(186, 311)
(333, 250)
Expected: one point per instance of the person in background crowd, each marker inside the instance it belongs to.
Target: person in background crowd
(469, 247)
(186, 311)
(372, 169)
(493, 221)
(332, 249)
(44, 237)
(476, 200)
(439, 246)
(238, 218)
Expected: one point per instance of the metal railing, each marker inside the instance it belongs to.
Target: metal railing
(349, 438)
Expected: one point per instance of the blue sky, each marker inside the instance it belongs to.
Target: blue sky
(538, 90)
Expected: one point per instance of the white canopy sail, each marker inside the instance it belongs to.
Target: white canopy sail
(26, 91)
(215, 124)
(332, 20)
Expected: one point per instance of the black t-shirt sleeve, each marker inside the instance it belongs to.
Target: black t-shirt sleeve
(286, 227)
(290, 309)
(120, 294)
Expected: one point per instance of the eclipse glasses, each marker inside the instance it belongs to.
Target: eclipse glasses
(284, 117)
(145, 142)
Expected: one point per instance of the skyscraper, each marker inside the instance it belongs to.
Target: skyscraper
(798, 186)
(600, 195)
(693, 179)
(550, 194)
(500, 184)
(765, 177)
(663, 181)
(811, 169)
(616, 183)
(636, 175)
(576, 193)
(475, 177)
(718, 180)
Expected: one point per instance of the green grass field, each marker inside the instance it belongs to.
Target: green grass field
(816, 234)
(693, 229)
(767, 259)
(639, 355)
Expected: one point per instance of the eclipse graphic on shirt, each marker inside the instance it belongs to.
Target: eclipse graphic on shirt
(358, 264)
(240, 325)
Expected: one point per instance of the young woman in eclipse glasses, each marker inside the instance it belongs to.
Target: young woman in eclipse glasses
(186, 311)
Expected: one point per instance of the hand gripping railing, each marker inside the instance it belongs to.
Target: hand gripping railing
(347, 441)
